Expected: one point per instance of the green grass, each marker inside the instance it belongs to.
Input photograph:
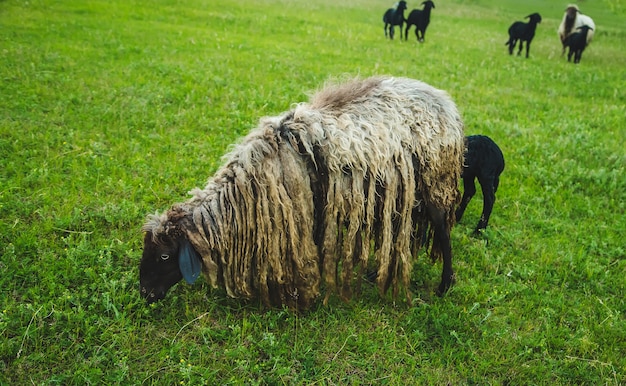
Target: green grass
(110, 110)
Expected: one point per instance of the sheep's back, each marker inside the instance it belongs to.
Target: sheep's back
(388, 119)
(586, 20)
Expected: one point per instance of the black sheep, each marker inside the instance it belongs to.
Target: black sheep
(393, 17)
(524, 32)
(483, 160)
(577, 42)
(420, 18)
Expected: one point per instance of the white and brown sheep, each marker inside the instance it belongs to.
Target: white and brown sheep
(571, 22)
(313, 198)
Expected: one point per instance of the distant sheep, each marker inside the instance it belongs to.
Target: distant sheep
(572, 20)
(577, 43)
(393, 17)
(315, 197)
(483, 161)
(524, 32)
(420, 18)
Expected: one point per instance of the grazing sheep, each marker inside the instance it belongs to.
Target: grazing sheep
(393, 17)
(483, 160)
(312, 198)
(572, 20)
(524, 32)
(577, 43)
(420, 18)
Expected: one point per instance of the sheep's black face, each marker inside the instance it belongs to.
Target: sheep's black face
(159, 269)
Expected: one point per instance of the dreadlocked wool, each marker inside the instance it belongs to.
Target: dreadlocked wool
(310, 199)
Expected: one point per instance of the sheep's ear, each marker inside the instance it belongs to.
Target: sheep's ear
(189, 262)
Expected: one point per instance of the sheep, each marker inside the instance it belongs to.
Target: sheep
(314, 197)
(393, 17)
(572, 20)
(483, 160)
(420, 18)
(577, 43)
(524, 32)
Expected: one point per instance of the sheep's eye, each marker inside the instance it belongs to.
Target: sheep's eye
(165, 257)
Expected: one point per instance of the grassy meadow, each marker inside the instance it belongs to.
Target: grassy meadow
(111, 110)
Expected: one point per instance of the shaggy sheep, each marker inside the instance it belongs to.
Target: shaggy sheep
(577, 43)
(393, 17)
(313, 198)
(524, 32)
(572, 20)
(420, 18)
(483, 160)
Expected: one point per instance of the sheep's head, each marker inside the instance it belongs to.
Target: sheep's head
(571, 11)
(168, 257)
(428, 4)
(534, 17)
(401, 5)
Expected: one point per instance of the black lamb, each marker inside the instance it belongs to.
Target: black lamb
(524, 32)
(393, 17)
(483, 160)
(577, 42)
(420, 18)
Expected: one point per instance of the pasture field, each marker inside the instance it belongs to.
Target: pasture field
(111, 110)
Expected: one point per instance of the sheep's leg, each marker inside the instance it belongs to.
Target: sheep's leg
(442, 246)
(488, 186)
(511, 44)
(469, 189)
(442, 236)
(385, 29)
(527, 48)
(569, 55)
(406, 31)
(521, 47)
(496, 183)
(391, 32)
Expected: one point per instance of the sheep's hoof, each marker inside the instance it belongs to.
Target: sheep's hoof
(441, 290)
(445, 285)
(479, 232)
(371, 276)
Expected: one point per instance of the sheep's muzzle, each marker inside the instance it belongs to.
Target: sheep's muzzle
(152, 295)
